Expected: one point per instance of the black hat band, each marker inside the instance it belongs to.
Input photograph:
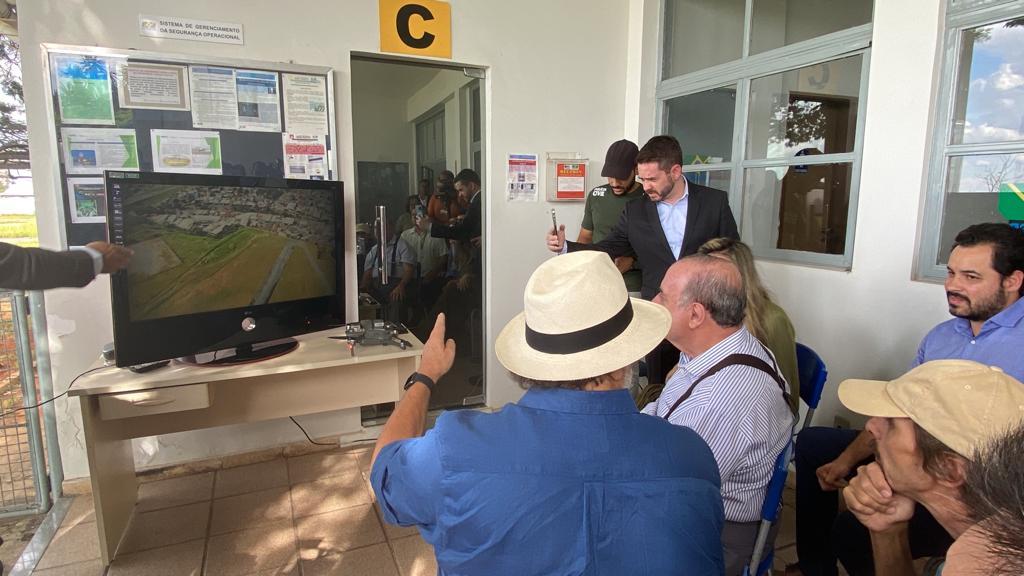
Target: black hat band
(581, 340)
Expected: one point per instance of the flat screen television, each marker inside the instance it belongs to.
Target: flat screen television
(222, 264)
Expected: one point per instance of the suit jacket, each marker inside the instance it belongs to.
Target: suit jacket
(468, 228)
(38, 269)
(639, 233)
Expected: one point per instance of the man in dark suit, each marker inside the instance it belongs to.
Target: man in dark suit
(670, 221)
(467, 227)
(39, 269)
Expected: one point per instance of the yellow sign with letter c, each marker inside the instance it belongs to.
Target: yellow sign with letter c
(419, 27)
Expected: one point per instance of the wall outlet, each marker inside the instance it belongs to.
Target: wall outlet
(841, 423)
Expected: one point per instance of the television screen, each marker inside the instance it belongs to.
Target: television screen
(222, 261)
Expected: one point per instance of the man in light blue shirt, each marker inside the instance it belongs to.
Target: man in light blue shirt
(984, 284)
(572, 479)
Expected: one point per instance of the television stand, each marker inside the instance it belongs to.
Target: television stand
(117, 405)
(243, 354)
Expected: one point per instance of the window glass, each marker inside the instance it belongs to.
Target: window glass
(703, 124)
(983, 188)
(801, 207)
(989, 93)
(700, 34)
(718, 179)
(778, 23)
(804, 110)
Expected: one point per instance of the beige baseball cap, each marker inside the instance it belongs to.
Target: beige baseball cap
(962, 403)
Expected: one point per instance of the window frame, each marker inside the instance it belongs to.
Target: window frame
(961, 15)
(826, 48)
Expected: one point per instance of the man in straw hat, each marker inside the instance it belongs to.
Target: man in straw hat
(571, 479)
(927, 424)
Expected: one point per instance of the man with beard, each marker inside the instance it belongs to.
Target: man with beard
(984, 284)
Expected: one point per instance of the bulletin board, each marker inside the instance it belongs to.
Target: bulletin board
(152, 112)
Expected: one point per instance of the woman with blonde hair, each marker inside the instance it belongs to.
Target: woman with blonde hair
(765, 319)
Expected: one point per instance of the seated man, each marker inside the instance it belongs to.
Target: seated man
(431, 257)
(727, 389)
(396, 295)
(928, 425)
(983, 289)
(571, 479)
(995, 503)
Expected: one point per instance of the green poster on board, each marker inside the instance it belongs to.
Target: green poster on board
(83, 90)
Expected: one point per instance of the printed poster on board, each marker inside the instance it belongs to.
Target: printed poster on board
(214, 97)
(87, 198)
(305, 104)
(187, 151)
(305, 157)
(93, 150)
(83, 90)
(152, 86)
(521, 185)
(259, 101)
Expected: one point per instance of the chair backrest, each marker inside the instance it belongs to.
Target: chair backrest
(773, 493)
(812, 375)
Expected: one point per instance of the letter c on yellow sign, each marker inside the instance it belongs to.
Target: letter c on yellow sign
(420, 27)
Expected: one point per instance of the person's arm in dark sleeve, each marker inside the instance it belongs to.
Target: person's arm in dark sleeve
(39, 269)
(727, 224)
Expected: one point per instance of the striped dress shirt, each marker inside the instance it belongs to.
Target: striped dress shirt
(740, 412)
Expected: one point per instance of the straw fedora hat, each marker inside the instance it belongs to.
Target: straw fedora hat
(579, 322)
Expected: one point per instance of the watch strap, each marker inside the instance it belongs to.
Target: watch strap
(417, 377)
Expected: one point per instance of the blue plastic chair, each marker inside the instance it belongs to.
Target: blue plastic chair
(770, 513)
(813, 375)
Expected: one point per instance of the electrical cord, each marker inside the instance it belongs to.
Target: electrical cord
(44, 402)
(335, 444)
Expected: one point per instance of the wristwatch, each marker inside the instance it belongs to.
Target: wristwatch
(417, 377)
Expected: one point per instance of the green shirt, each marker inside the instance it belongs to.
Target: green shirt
(781, 340)
(602, 213)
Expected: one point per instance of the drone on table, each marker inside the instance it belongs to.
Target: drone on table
(374, 333)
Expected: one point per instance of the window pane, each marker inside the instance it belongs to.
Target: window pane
(703, 124)
(811, 110)
(980, 189)
(718, 179)
(779, 23)
(989, 94)
(797, 207)
(700, 34)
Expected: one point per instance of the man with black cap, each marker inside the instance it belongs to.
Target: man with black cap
(605, 204)
(671, 220)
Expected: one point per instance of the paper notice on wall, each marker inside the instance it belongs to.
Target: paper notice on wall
(152, 86)
(305, 104)
(93, 150)
(522, 178)
(570, 180)
(83, 90)
(88, 200)
(189, 151)
(214, 100)
(259, 101)
(305, 157)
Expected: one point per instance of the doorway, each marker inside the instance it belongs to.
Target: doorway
(415, 126)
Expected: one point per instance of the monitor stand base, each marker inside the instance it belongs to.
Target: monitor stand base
(243, 354)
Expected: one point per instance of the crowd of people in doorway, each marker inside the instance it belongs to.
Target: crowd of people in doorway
(580, 477)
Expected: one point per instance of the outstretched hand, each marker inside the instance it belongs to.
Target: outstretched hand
(438, 354)
(114, 257)
(556, 239)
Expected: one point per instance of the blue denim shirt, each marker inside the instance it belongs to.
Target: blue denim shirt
(563, 482)
(999, 343)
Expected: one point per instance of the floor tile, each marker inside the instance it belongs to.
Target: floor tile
(338, 531)
(179, 560)
(250, 510)
(252, 551)
(393, 531)
(165, 527)
(329, 494)
(320, 465)
(787, 529)
(89, 568)
(362, 458)
(373, 560)
(174, 492)
(251, 478)
(80, 512)
(414, 556)
(76, 544)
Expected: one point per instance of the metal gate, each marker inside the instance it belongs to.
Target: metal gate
(24, 486)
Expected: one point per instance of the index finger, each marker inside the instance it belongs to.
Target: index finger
(437, 334)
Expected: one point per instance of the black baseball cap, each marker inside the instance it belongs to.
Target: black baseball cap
(620, 160)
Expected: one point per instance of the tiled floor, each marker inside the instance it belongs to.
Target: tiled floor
(312, 514)
(304, 515)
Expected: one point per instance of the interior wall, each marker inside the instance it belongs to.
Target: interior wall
(569, 113)
(868, 322)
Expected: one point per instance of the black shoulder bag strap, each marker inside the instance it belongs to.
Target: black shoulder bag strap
(733, 360)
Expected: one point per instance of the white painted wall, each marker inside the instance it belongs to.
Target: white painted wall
(867, 322)
(544, 92)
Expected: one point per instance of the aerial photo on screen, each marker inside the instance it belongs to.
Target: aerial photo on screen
(203, 248)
